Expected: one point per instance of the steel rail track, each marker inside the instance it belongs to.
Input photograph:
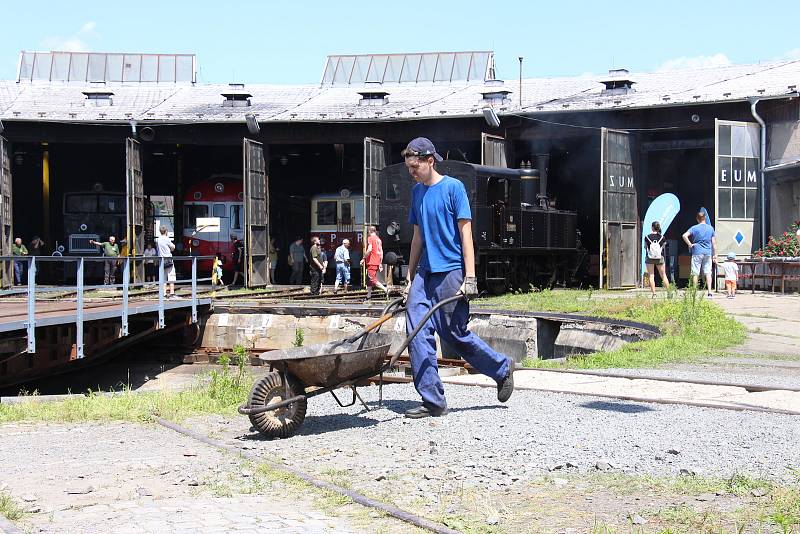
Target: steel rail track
(359, 498)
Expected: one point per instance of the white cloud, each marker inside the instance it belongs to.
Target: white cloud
(72, 43)
(696, 62)
(88, 27)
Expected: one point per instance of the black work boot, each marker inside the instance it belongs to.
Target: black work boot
(506, 386)
(423, 411)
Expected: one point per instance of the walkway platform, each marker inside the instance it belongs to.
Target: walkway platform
(731, 397)
(14, 315)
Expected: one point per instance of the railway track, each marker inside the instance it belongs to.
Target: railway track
(389, 509)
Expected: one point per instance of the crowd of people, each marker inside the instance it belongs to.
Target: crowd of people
(316, 258)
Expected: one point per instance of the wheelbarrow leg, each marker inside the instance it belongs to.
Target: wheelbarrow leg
(380, 390)
(355, 394)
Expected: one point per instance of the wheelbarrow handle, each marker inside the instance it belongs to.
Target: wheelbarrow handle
(391, 309)
(422, 322)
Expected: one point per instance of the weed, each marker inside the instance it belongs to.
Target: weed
(603, 528)
(9, 507)
(220, 391)
(299, 337)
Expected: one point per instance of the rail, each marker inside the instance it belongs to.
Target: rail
(30, 290)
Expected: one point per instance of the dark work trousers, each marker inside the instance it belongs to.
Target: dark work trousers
(450, 322)
(296, 278)
(110, 271)
(316, 281)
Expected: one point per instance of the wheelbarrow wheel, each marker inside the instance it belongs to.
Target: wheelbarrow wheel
(283, 422)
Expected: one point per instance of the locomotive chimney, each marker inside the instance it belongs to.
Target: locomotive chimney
(542, 164)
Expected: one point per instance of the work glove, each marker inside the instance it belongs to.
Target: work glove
(469, 288)
(406, 289)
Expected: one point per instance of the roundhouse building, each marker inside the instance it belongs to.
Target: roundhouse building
(141, 126)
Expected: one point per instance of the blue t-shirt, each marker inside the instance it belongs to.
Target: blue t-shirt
(701, 235)
(436, 209)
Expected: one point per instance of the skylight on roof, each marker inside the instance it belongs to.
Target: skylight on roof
(408, 68)
(106, 67)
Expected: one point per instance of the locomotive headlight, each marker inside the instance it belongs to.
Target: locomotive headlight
(195, 242)
(83, 227)
(393, 229)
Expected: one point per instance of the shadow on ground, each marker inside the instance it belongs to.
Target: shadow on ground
(619, 407)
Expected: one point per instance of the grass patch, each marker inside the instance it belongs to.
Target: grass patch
(692, 326)
(219, 392)
(740, 485)
(9, 507)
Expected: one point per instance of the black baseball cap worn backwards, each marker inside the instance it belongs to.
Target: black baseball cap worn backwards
(422, 146)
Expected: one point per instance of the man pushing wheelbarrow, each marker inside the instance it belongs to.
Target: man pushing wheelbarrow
(441, 279)
(441, 265)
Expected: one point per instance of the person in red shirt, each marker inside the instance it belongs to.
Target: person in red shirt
(374, 261)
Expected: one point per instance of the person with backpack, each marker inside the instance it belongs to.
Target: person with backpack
(655, 248)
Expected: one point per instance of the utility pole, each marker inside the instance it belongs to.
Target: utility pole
(520, 82)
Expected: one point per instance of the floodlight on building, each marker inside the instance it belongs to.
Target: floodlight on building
(252, 124)
(491, 118)
(147, 134)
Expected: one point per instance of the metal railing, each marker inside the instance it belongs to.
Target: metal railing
(31, 290)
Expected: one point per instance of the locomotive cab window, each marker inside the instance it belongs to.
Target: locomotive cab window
(111, 204)
(236, 217)
(347, 213)
(78, 203)
(192, 212)
(218, 210)
(326, 213)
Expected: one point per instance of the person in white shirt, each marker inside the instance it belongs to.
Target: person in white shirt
(342, 259)
(165, 247)
(150, 270)
(731, 270)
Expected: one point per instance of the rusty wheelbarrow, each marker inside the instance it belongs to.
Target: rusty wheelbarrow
(277, 403)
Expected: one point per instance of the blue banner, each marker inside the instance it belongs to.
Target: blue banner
(663, 209)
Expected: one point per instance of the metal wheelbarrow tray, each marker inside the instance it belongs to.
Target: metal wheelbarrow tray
(277, 403)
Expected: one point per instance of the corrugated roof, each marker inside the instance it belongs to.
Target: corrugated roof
(288, 103)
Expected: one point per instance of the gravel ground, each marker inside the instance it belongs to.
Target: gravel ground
(126, 478)
(489, 444)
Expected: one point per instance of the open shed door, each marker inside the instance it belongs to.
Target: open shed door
(493, 150)
(6, 216)
(256, 215)
(134, 189)
(737, 187)
(619, 217)
(374, 162)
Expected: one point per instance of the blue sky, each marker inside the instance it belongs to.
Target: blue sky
(286, 42)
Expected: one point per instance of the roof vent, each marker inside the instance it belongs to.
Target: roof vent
(373, 97)
(496, 96)
(98, 97)
(618, 82)
(236, 96)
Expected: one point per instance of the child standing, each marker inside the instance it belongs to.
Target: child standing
(731, 274)
(216, 271)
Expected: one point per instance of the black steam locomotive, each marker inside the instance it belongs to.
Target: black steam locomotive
(520, 240)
